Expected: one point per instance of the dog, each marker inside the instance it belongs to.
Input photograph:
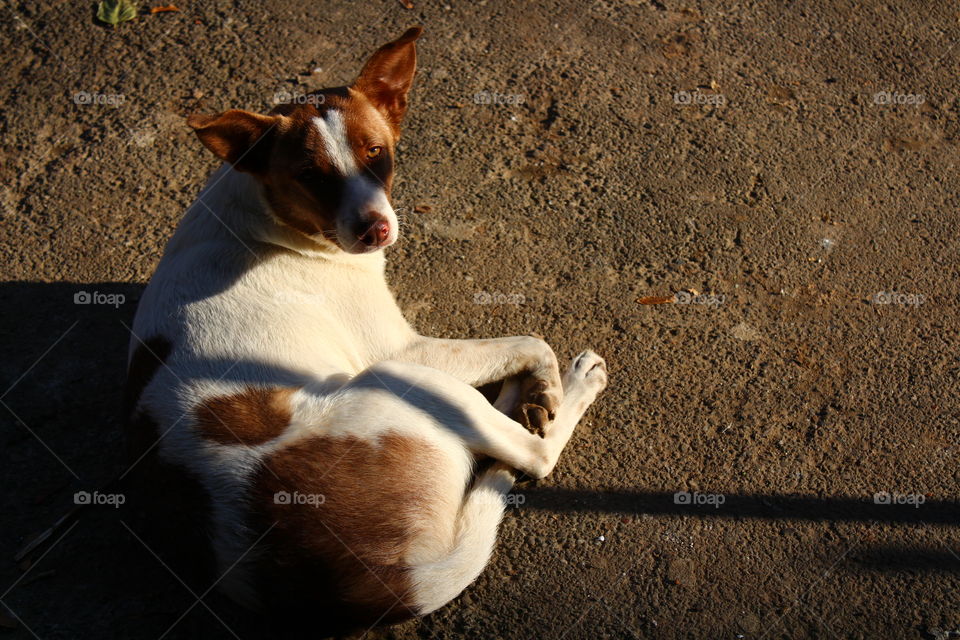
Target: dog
(349, 469)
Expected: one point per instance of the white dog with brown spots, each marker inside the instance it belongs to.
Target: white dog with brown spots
(337, 450)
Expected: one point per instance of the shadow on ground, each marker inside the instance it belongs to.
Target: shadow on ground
(65, 346)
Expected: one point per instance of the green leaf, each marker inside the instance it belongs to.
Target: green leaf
(116, 11)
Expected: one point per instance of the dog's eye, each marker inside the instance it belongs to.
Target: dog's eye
(374, 152)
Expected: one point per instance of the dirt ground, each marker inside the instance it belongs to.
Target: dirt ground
(787, 172)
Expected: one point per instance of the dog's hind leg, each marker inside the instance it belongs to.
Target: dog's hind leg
(459, 408)
(438, 582)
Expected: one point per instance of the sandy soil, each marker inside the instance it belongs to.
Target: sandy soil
(790, 172)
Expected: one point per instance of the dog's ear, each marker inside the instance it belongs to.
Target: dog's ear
(386, 78)
(238, 137)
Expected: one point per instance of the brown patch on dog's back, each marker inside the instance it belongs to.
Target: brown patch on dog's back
(339, 559)
(251, 417)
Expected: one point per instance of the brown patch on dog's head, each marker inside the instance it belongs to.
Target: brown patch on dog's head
(251, 417)
(326, 161)
(340, 561)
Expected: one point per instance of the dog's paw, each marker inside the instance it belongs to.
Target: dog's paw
(587, 372)
(539, 401)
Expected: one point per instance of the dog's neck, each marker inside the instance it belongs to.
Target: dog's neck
(232, 208)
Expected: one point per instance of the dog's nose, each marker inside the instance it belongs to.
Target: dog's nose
(377, 233)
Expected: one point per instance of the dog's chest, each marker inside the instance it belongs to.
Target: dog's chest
(318, 313)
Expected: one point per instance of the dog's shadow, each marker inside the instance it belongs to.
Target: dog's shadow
(107, 569)
(105, 572)
(98, 574)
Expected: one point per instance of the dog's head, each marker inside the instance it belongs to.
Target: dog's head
(326, 162)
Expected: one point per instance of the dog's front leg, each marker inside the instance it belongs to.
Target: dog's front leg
(479, 362)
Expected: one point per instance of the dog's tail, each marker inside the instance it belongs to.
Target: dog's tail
(438, 582)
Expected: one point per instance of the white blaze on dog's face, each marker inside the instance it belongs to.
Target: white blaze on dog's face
(365, 220)
(326, 166)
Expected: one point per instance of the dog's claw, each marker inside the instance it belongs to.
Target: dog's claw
(535, 418)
